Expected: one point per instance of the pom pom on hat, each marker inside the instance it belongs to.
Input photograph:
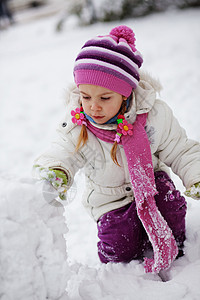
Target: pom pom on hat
(110, 61)
(124, 32)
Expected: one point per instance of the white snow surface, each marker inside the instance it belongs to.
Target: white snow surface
(35, 70)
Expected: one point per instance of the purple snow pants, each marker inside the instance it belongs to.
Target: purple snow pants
(121, 233)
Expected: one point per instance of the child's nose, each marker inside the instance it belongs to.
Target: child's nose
(95, 106)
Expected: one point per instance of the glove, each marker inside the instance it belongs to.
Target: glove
(57, 178)
(194, 191)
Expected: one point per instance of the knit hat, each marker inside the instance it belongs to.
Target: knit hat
(110, 61)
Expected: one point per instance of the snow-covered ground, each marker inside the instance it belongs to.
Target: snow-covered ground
(35, 69)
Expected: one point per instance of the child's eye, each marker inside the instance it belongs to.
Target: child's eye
(86, 97)
(105, 98)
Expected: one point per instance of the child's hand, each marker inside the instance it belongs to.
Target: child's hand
(194, 191)
(57, 178)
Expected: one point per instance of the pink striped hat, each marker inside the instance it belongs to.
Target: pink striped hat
(110, 61)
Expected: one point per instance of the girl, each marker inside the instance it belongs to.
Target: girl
(125, 139)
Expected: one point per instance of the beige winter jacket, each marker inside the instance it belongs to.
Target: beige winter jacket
(108, 186)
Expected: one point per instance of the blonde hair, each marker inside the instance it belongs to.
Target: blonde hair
(83, 137)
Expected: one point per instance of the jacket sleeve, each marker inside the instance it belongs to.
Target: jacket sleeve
(62, 154)
(175, 149)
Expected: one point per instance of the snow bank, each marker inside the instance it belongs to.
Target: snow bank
(32, 248)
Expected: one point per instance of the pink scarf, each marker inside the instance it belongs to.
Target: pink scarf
(139, 159)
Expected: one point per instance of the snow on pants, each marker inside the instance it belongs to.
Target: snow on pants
(122, 236)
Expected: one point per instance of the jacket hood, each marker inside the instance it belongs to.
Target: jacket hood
(143, 98)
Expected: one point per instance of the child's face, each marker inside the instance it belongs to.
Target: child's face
(99, 103)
